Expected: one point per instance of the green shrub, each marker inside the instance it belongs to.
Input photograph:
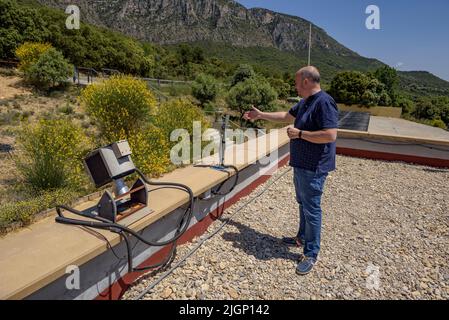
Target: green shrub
(79, 116)
(439, 124)
(85, 124)
(444, 113)
(352, 87)
(443, 104)
(11, 117)
(52, 153)
(290, 79)
(210, 107)
(179, 114)
(18, 25)
(16, 105)
(369, 98)
(67, 109)
(120, 106)
(50, 70)
(426, 109)
(243, 72)
(47, 115)
(25, 115)
(4, 102)
(407, 105)
(384, 99)
(252, 91)
(205, 88)
(7, 72)
(282, 88)
(14, 117)
(389, 77)
(23, 211)
(29, 53)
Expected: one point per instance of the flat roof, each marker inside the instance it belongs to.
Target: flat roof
(402, 127)
(385, 222)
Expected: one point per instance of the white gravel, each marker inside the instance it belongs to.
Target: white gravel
(385, 236)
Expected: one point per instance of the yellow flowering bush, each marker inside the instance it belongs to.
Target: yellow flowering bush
(120, 106)
(29, 53)
(51, 155)
(179, 114)
(151, 151)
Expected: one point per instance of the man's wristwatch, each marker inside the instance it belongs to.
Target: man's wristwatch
(300, 134)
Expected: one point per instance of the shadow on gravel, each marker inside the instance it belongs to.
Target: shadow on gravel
(261, 246)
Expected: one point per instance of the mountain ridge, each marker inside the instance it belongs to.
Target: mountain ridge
(230, 25)
(175, 21)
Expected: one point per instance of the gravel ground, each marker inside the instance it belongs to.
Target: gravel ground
(385, 236)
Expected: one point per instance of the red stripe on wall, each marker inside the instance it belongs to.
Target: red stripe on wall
(376, 155)
(116, 290)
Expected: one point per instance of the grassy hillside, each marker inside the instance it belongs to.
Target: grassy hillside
(272, 61)
(275, 62)
(422, 83)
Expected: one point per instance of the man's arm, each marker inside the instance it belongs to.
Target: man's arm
(318, 137)
(256, 114)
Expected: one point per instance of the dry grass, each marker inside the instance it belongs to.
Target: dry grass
(20, 106)
(11, 87)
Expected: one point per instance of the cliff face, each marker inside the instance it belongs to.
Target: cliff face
(224, 21)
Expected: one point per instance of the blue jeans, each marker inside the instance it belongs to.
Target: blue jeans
(309, 188)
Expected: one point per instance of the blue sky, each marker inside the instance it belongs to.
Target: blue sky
(414, 34)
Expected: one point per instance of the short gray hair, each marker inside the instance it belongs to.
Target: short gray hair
(311, 73)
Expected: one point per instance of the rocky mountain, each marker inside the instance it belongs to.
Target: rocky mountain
(228, 30)
(221, 21)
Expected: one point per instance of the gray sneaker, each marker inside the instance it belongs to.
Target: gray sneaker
(305, 266)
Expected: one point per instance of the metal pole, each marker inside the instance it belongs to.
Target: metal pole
(224, 125)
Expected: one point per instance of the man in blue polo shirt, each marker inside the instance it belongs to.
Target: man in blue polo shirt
(312, 155)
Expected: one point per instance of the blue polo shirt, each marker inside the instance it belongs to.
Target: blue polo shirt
(317, 112)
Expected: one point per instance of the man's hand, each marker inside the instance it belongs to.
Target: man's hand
(293, 133)
(253, 115)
